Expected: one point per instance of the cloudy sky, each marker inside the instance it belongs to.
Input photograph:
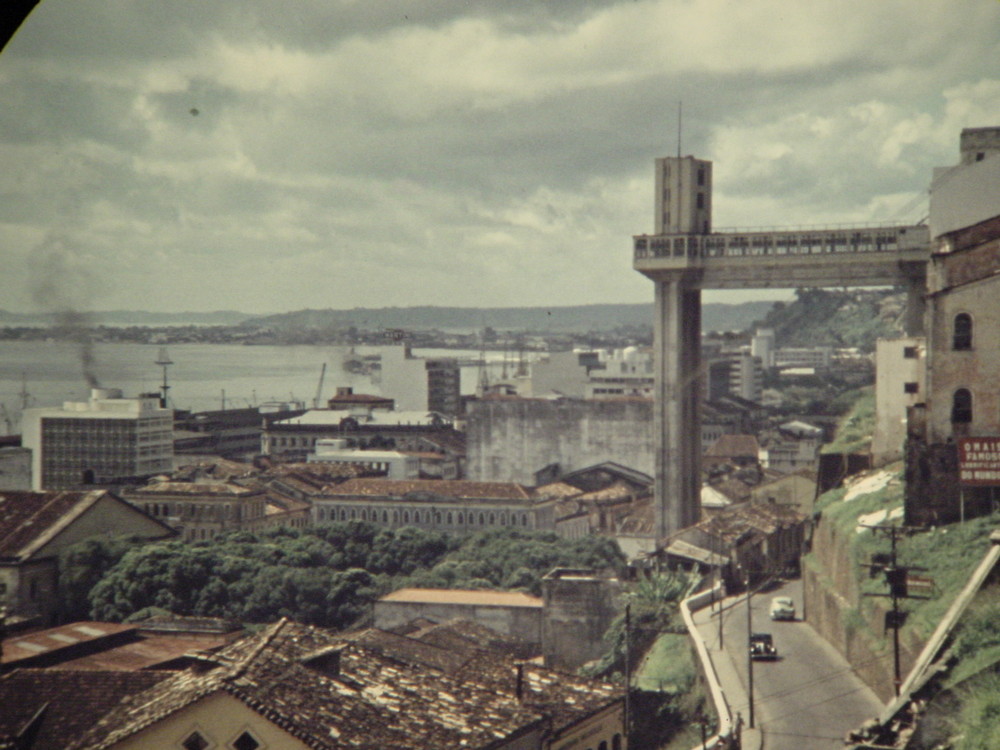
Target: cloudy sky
(268, 156)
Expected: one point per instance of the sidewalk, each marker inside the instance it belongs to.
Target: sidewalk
(729, 679)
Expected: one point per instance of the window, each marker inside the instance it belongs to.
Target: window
(961, 406)
(909, 352)
(910, 387)
(246, 741)
(701, 176)
(195, 741)
(962, 335)
(700, 201)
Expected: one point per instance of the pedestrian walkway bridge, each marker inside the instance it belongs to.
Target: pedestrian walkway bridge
(764, 258)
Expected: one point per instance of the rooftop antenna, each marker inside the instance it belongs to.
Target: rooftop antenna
(680, 110)
(163, 360)
(483, 384)
(25, 396)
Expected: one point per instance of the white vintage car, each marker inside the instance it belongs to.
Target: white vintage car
(782, 608)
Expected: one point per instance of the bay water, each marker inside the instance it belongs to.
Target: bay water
(203, 377)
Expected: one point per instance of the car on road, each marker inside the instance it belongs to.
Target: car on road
(762, 647)
(782, 608)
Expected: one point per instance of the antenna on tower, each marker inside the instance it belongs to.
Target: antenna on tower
(680, 110)
(164, 361)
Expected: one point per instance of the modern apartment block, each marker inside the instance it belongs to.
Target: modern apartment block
(103, 440)
(421, 384)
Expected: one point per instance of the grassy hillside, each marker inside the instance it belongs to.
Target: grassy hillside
(839, 318)
(947, 555)
(854, 434)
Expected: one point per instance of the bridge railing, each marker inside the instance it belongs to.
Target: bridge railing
(688, 247)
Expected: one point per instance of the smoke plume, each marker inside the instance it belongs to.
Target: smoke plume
(59, 284)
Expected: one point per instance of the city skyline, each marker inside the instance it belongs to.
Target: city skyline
(261, 157)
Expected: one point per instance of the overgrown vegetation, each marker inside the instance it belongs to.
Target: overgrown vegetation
(977, 725)
(653, 609)
(947, 555)
(668, 699)
(327, 575)
(846, 318)
(854, 433)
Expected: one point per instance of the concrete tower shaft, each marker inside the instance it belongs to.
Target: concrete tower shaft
(684, 257)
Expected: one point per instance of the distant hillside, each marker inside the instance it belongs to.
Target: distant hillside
(129, 318)
(581, 318)
(851, 318)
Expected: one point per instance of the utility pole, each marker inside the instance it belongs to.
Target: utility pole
(749, 653)
(718, 582)
(896, 576)
(628, 670)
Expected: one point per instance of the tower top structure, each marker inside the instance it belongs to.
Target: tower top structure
(683, 198)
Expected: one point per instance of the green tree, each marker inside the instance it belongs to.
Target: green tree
(81, 566)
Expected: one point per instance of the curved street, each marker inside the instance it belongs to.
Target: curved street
(809, 698)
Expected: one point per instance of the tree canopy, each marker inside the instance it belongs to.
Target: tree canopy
(327, 575)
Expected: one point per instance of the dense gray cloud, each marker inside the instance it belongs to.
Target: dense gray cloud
(271, 156)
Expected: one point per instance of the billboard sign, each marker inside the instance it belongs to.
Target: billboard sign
(979, 461)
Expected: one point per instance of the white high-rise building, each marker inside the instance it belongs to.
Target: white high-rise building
(762, 346)
(104, 439)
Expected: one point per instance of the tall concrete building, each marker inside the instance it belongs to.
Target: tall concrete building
(683, 207)
(762, 345)
(102, 440)
(421, 384)
(900, 383)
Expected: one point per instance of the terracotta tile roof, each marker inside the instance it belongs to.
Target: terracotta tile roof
(733, 488)
(72, 701)
(204, 489)
(437, 488)
(481, 655)
(466, 636)
(115, 646)
(411, 649)
(150, 652)
(750, 517)
(734, 446)
(557, 489)
(477, 597)
(27, 517)
(368, 700)
(618, 490)
(63, 638)
(563, 697)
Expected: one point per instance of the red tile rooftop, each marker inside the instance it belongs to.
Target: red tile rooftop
(464, 596)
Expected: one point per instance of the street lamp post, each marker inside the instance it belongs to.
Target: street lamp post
(749, 651)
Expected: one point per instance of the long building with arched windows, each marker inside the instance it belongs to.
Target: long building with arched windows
(443, 505)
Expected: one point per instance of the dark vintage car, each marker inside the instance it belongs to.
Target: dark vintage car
(762, 647)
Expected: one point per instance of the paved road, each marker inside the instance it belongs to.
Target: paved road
(808, 699)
